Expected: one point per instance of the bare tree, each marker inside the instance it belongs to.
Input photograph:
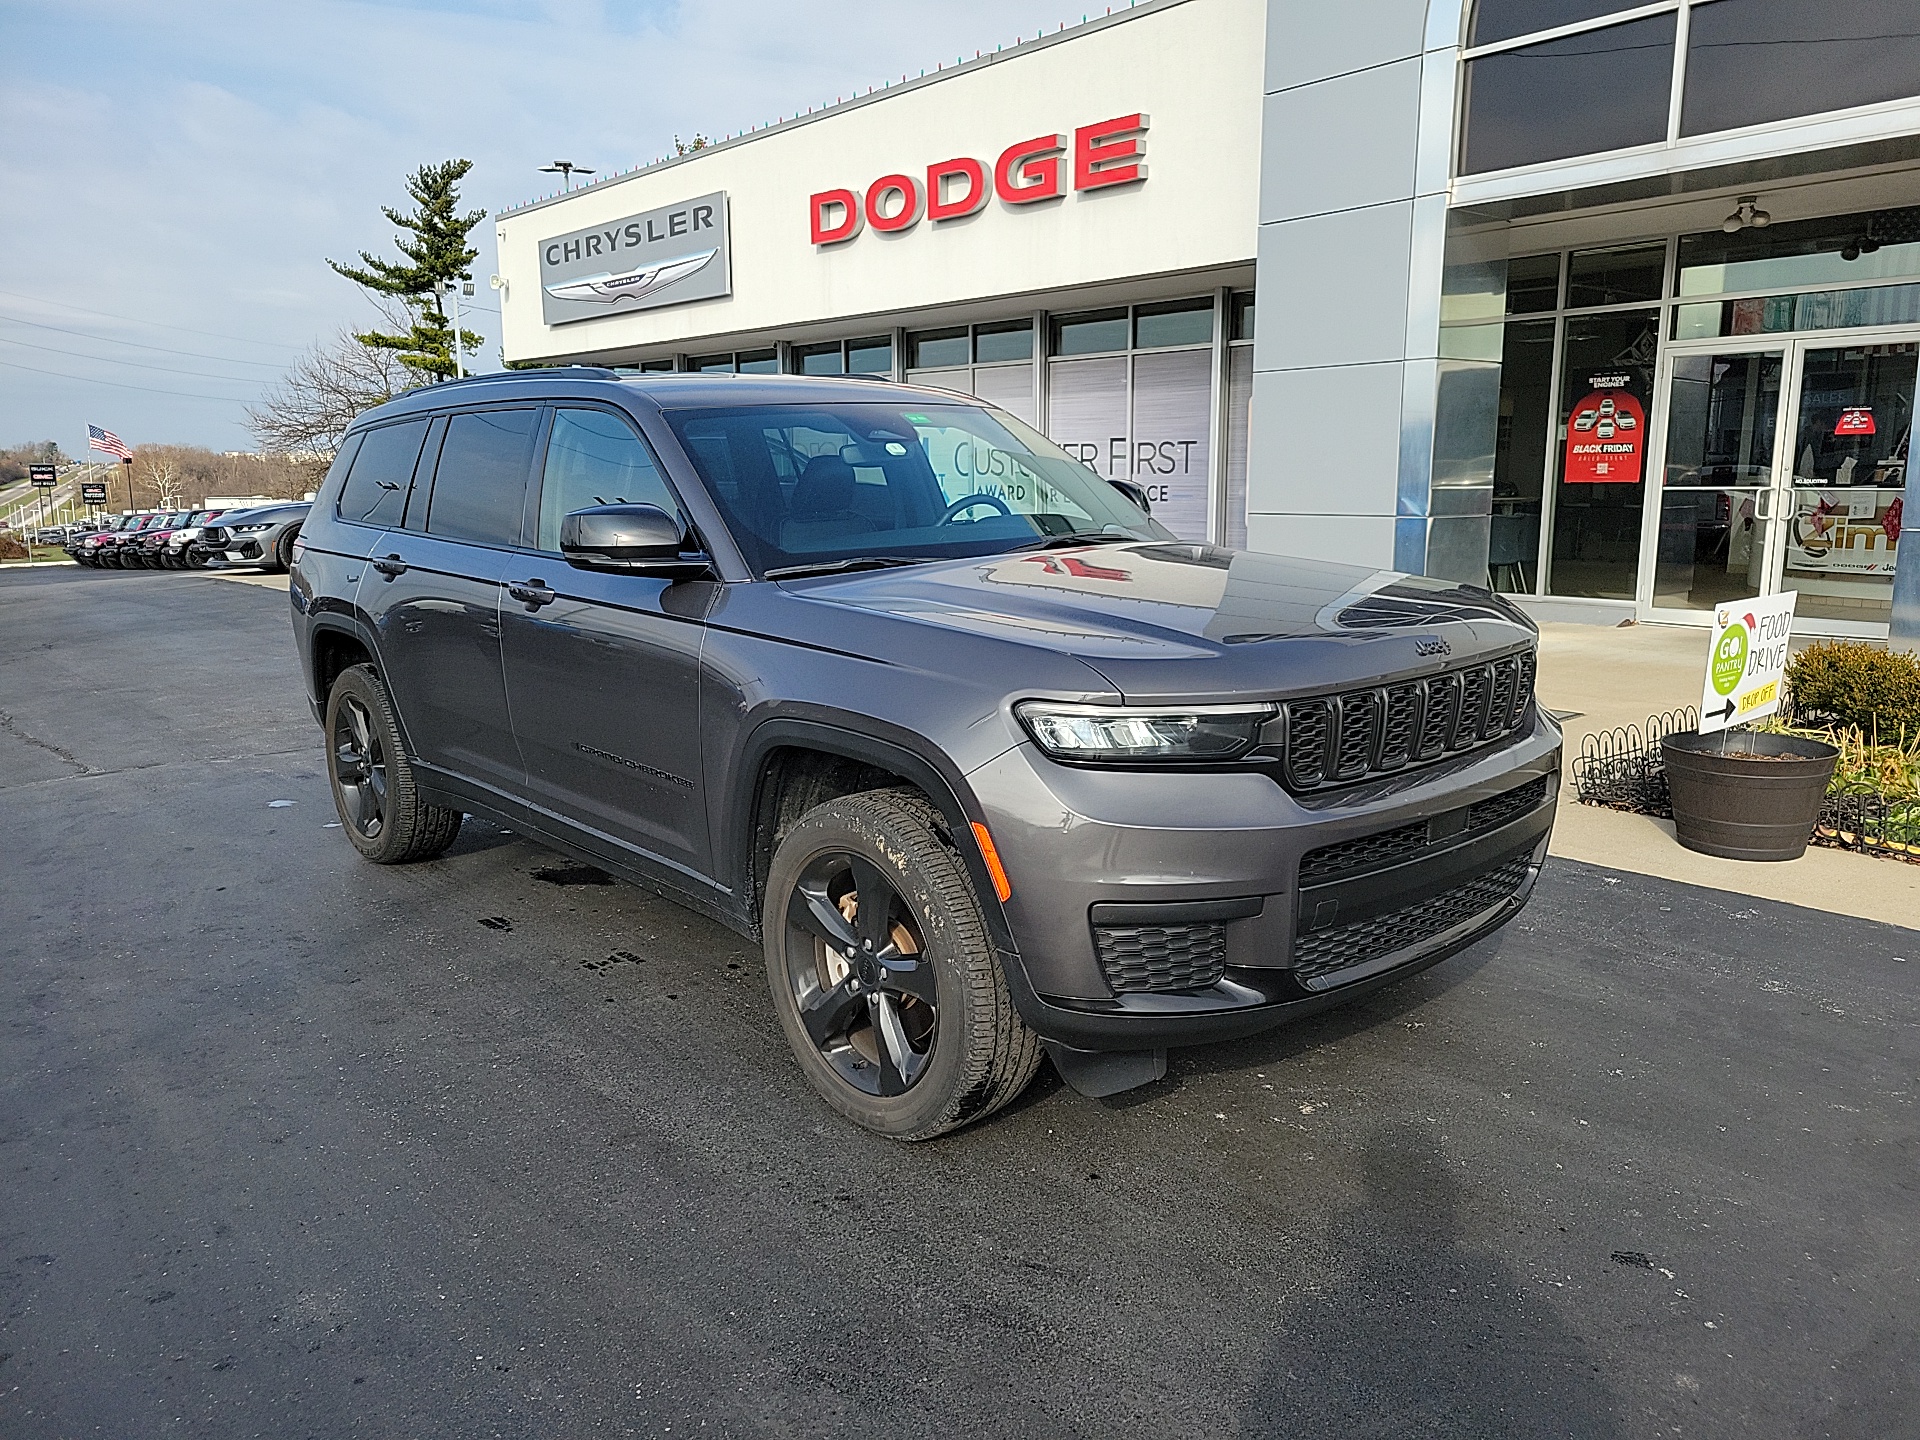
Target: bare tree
(309, 408)
(163, 475)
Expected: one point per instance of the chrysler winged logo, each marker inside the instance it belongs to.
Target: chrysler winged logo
(609, 289)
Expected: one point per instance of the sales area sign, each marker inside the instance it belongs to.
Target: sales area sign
(1606, 434)
(1748, 661)
(44, 476)
(93, 492)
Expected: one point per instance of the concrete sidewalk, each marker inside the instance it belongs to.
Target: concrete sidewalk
(1602, 677)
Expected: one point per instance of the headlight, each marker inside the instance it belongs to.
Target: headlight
(252, 529)
(1119, 732)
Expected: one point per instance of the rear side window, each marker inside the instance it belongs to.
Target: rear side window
(594, 458)
(376, 488)
(480, 484)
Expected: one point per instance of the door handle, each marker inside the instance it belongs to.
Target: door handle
(391, 566)
(532, 593)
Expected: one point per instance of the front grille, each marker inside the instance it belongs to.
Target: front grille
(213, 535)
(1161, 958)
(1338, 739)
(1363, 853)
(1321, 953)
(1499, 809)
(1387, 847)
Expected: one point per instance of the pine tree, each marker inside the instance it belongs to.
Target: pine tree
(435, 250)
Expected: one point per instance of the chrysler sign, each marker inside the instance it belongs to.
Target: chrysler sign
(662, 257)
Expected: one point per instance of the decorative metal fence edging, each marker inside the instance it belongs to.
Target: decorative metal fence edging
(1622, 768)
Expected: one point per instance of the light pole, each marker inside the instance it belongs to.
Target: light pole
(457, 288)
(565, 169)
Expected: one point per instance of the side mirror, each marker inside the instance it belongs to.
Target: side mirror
(1135, 493)
(635, 539)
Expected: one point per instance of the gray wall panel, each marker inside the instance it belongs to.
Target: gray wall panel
(1310, 40)
(1340, 144)
(1325, 441)
(1333, 289)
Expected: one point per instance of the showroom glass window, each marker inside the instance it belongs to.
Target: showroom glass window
(1548, 80)
(1578, 355)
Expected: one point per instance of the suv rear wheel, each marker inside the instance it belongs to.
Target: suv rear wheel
(882, 972)
(372, 779)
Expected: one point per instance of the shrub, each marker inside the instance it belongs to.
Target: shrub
(1846, 683)
(11, 548)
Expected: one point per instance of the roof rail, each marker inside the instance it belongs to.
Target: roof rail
(591, 372)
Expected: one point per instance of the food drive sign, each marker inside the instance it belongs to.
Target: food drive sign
(1747, 662)
(1025, 173)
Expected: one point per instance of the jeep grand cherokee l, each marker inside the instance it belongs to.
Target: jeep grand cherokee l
(990, 764)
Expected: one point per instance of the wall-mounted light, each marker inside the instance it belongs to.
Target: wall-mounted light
(1746, 213)
(498, 282)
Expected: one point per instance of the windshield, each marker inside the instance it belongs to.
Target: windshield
(810, 485)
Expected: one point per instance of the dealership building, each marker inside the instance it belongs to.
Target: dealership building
(1614, 307)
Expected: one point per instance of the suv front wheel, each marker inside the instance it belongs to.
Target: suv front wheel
(883, 974)
(372, 779)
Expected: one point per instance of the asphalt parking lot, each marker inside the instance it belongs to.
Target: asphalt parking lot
(295, 1146)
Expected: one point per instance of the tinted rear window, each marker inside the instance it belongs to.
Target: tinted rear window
(376, 488)
(480, 484)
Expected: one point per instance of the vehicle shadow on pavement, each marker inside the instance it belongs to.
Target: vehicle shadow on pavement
(1287, 1042)
(1415, 1333)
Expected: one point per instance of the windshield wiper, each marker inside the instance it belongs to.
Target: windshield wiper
(835, 567)
(1077, 537)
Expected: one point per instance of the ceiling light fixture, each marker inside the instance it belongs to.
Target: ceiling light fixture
(1746, 213)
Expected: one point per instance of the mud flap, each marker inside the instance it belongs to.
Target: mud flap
(1098, 1073)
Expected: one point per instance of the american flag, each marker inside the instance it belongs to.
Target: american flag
(107, 443)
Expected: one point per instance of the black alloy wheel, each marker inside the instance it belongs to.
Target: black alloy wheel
(359, 767)
(860, 980)
(882, 970)
(283, 551)
(374, 792)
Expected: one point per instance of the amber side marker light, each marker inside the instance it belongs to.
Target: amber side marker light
(995, 870)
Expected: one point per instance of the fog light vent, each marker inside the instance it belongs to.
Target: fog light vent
(1161, 958)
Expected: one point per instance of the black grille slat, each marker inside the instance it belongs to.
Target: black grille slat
(1471, 727)
(1442, 705)
(1523, 689)
(1321, 953)
(1161, 959)
(1306, 742)
(1500, 705)
(1381, 848)
(1354, 752)
(1398, 726)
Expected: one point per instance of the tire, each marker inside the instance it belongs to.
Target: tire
(372, 780)
(282, 560)
(942, 986)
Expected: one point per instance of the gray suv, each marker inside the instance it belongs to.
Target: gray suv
(991, 765)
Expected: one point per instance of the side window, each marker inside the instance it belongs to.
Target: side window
(594, 458)
(480, 484)
(376, 488)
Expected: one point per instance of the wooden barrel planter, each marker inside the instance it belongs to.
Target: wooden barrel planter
(1746, 795)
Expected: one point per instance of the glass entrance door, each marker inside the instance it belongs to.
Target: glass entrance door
(1718, 479)
(1846, 472)
(1784, 468)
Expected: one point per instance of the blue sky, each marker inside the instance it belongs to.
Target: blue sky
(176, 176)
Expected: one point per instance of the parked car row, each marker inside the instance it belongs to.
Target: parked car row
(192, 539)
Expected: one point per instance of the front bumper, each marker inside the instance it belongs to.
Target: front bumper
(1403, 873)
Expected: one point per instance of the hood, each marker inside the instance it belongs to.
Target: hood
(1193, 622)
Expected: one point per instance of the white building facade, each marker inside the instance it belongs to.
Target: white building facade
(1613, 307)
